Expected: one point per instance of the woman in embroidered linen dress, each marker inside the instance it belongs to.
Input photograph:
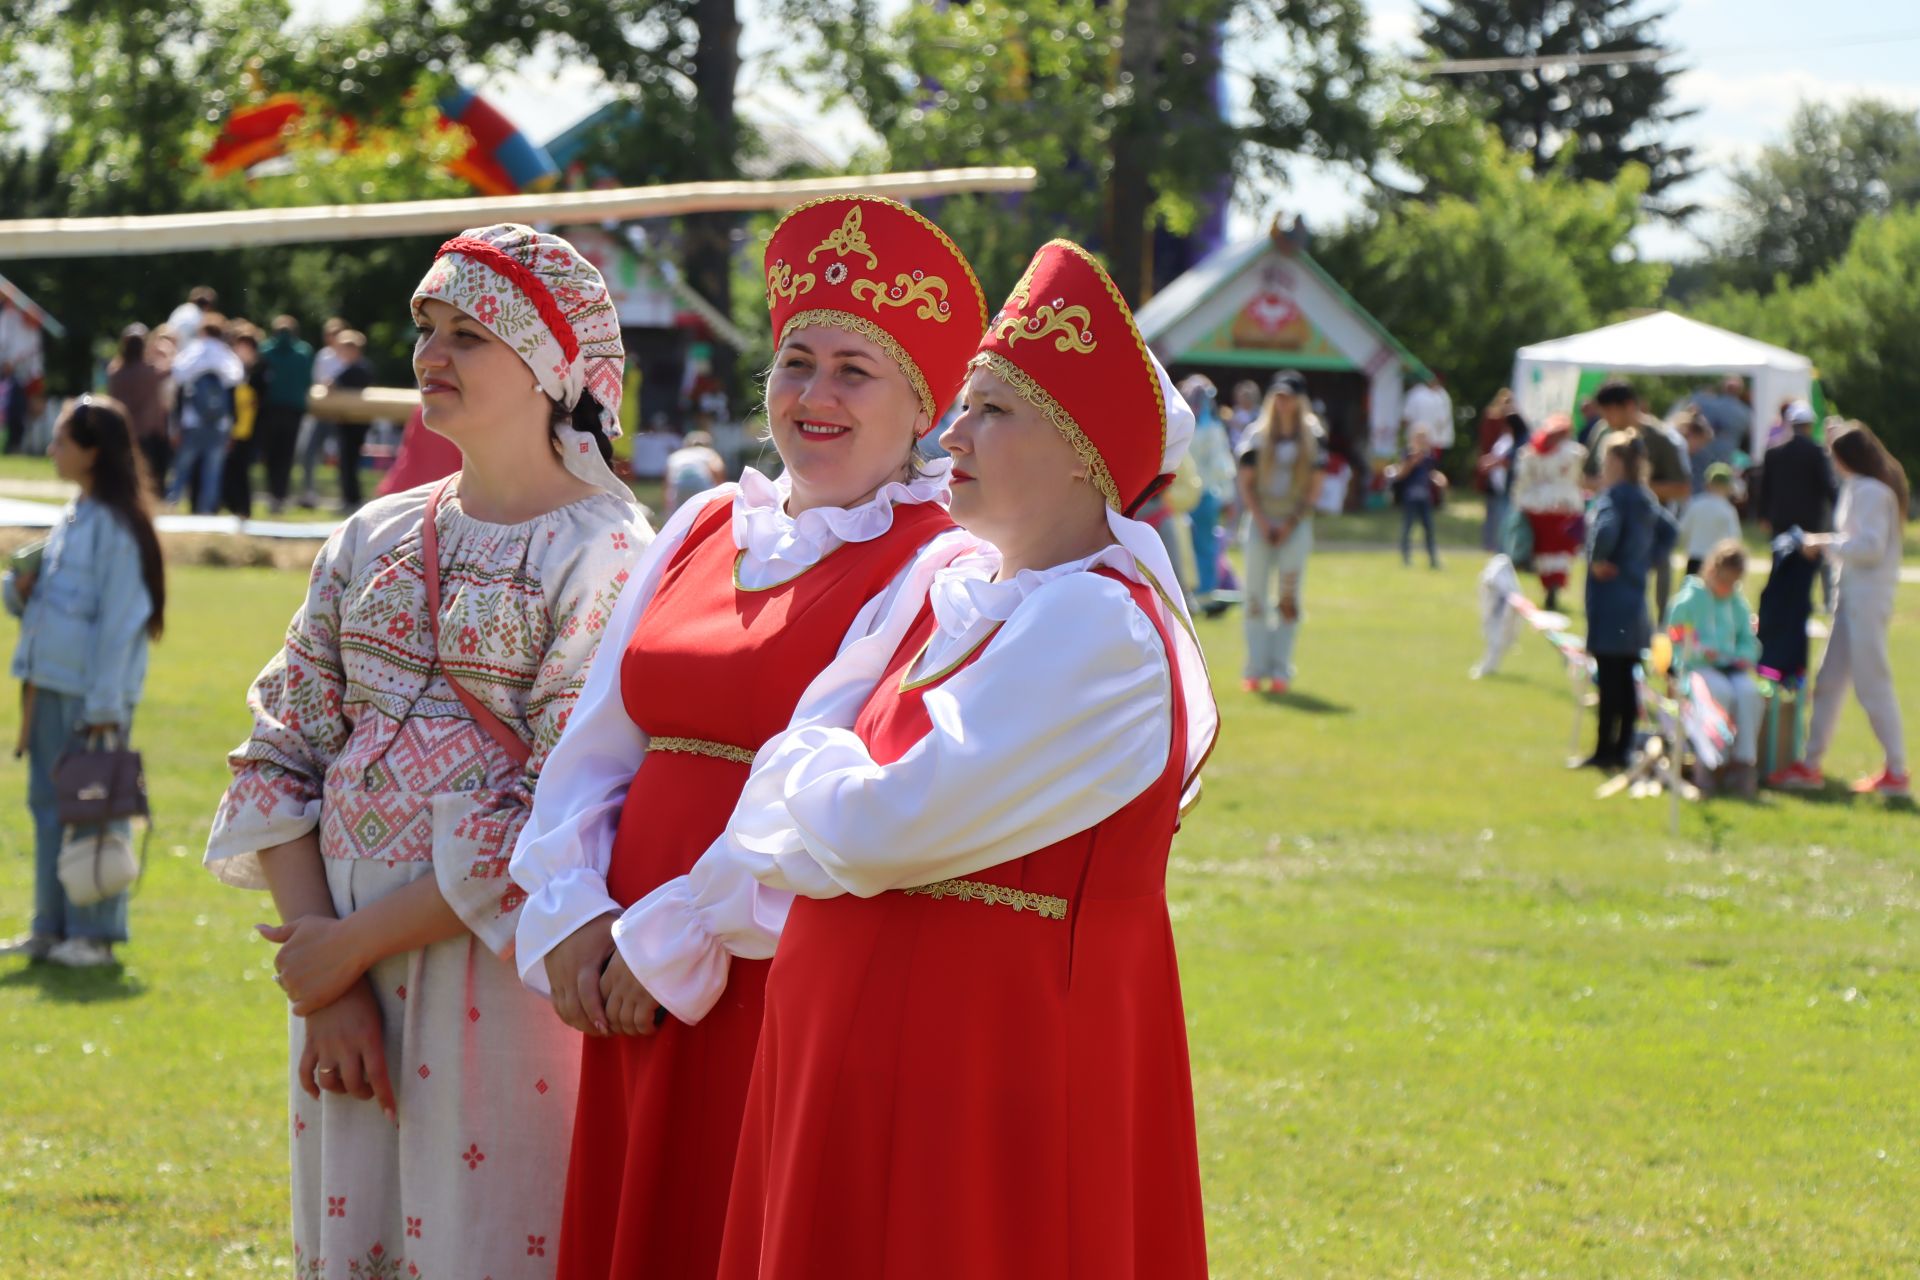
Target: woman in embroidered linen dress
(974, 1059)
(749, 591)
(379, 800)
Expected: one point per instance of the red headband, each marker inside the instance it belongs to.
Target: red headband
(526, 281)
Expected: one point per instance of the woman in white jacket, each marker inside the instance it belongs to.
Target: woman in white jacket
(1866, 549)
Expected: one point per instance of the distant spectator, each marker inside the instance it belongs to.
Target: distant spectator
(1710, 518)
(355, 375)
(1498, 461)
(289, 362)
(1871, 521)
(1418, 485)
(1728, 412)
(86, 613)
(317, 433)
(1627, 535)
(1717, 643)
(141, 387)
(695, 467)
(1212, 454)
(1797, 487)
(236, 476)
(206, 375)
(1279, 480)
(1698, 433)
(1667, 472)
(1546, 488)
(1245, 413)
(1428, 407)
(187, 319)
(1493, 421)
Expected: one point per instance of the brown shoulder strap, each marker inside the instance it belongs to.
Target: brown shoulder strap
(509, 741)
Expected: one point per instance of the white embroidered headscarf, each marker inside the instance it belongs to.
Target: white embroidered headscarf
(537, 294)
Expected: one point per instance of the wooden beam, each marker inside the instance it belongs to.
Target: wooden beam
(239, 228)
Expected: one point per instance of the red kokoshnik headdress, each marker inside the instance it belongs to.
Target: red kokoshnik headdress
(1066, 341)
(874, 267)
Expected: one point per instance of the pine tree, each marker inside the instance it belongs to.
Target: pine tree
(1604, 116)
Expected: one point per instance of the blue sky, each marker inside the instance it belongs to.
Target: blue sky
(1749, 62)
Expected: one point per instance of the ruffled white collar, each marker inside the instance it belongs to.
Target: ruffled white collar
(966, 596)
(772, 538)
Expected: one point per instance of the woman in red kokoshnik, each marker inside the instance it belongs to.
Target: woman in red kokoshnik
(747, 593)
(974, 1061)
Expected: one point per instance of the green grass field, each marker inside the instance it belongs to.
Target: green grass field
(1450, 1015)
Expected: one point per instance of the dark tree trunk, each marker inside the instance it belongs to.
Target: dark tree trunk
(1130, 192)
(709, 236)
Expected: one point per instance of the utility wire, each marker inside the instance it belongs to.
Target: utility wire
(1626, 57)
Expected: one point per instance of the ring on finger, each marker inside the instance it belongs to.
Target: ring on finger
(326, 1071)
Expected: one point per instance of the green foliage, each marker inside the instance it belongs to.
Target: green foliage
(1857, 321)
(1450, 1016)
(1500, 258)
(1798, 202)
(1597, 119)
(1049, 83)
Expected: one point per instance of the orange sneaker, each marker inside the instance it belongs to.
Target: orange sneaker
(1885, 783)
(1250, 685)
(1277, 686)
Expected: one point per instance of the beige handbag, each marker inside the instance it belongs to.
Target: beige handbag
(96, 865)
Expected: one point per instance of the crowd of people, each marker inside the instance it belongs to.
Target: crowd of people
(1629, 491)
(216, 405)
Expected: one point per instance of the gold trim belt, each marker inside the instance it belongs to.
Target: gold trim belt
(701, 747)
(998, 895)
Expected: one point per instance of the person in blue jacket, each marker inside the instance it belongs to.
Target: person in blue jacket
(87, 610)
(1628, 534)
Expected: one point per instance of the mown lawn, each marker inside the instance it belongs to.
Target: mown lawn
(1450, 1015)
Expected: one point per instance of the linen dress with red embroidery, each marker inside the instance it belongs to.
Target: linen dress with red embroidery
(711, 665)
(357, 733)
(984, 1077)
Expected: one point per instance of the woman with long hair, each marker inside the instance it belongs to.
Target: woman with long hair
(1279, 483)
(86, 612)
(750, 590)
(1865, 546)
(397, 739)
(974, 1061)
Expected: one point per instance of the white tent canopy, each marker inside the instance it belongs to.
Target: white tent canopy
(1546, 375)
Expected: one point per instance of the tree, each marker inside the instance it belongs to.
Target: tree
(677, 61)
(1503, 258)
(1601, 117)
(1856, 321)
(1797, 204)
(1114, 103)
(132, 93)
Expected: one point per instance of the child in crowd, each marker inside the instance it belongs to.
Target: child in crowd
(1718, 643)
(1710, 518)
(1627, 533)
(1419, 484)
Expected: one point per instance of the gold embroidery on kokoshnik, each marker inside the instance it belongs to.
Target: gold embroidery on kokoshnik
(701, 747)
(848, 238)
(783, 283)
(929, 291)
(1070, 327)
(999, 895)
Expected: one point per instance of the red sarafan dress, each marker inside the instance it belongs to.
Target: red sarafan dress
(712, 671)
(983, 1078)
